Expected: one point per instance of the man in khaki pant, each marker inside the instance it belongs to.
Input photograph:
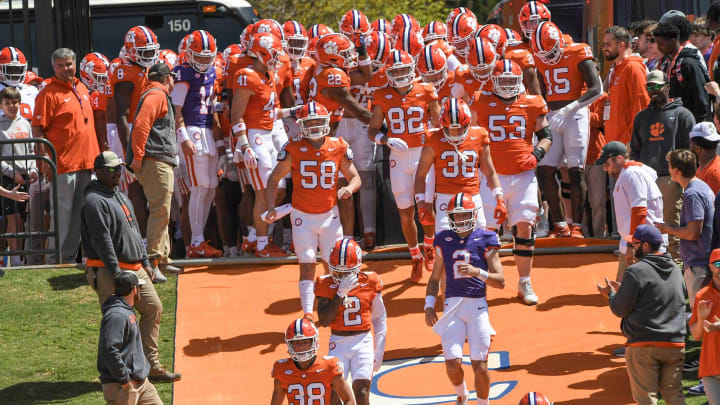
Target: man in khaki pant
(123, 369)
(112, 243)
(152, 155)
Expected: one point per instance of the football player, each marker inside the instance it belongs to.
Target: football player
(315, 161)
(302, 69)
(349, 301)
(406, 105)
(470, 260)
(435, 33)
(94, 74)
(475, 75)
(516, 52)
(433, 68)
(567, 70)
(511, 117)
(305, 377)
(461, 33)
(13, 67)
(198, 134)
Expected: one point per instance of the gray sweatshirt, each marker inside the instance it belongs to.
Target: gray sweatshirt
(19, 128)
(651, 301)
(120, 352)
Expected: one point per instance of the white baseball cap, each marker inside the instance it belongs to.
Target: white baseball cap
(705, 130)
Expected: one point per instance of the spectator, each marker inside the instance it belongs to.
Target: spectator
(152, 155)
(123, 369)
(651, 302)
(712, 19)
(705, 326)
(112, 243)
(626, 85)
(658, 129)
(704, 141)
(636, 197)
(702, 38)
(595, 176)
(695, 230)
(685, 70)
(648, 48)
(63, 115)
(637, 30)
(15, 172)
(685, 29)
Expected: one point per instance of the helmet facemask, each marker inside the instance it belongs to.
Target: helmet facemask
(437, 77)
(302, 354)
(296, 47)
(201, 62)
(401, 75)
(146, 56)
(462, 219)
(528, 27)
(13, 73)
(315, 127)
(339, 272)
(482, 72)
(350, 57)
(507, 85)
(455, 134)
(551, 57)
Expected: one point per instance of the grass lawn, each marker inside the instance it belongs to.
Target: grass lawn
(49, 328)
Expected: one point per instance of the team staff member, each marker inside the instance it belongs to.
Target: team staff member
(651, 302)
(64, 116)
(123, 370)
(112, 243)
(705, 325)
(152, 155)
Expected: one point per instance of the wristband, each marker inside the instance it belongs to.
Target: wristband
(220, 143)
(419, 197)
(239, 127)
(182, 135)
(378, 139)
(364, 62)
(497, 191)
(430, 301)
(483, 275)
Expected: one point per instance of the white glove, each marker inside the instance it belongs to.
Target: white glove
(562, 115)
(397, 144)
(346, 285)
(248, 157)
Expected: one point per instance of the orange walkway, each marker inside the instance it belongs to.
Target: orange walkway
(230, 325)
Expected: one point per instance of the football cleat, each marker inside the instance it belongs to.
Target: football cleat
(248, 247)
(416, 272)
(576, 231)
(429, 257)
(559, 232)
(203, 250)
(369, 241)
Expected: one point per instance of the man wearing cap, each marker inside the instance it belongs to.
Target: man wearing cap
(696, 220)
(704, 140)
(636, 196)
(651, 302)
(112, 244)
(123, 369)
(152, 155)
(663, 126)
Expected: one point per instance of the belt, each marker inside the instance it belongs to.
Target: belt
(122, 265)
(348, 332)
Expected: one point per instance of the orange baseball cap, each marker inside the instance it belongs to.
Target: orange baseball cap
(715, 256)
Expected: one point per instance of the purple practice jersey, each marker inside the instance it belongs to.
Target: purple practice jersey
(200, 99)
(471, 249)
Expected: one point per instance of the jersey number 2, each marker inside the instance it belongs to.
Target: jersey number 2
(350, 316)
(460, 257)
(315, 394)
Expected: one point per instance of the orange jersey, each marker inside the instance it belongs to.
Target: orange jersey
(470, 84)
(510, 127)
(521, 56)
(98, 101)
(446, 90)
(260, 111)
(315, 172)
(301, 76)
(407, 115)
(363, 93)
(358, 317)
(312, 385)
(329, 77)
(283, 78)
(135, 74)
(453, 174)
(564, 81)
(235, 63)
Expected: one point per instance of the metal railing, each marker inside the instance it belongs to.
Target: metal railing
(31, 235)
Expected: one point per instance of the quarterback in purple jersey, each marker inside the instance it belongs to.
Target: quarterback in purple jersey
(469, 258)
(194, 99)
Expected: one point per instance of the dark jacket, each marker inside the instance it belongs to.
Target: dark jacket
(109, 228)
(120, 352)
(657, 131)
(651, 301)
(687, 81)
(153, 132)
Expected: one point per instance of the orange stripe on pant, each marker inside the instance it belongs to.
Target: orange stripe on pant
(256, 179)
(190, 169)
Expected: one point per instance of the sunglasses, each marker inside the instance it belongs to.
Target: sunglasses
(716, 264)
(654, 86)
(113, 169)
(651, 40)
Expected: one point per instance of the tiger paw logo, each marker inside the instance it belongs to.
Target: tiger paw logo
(553, 33)
(266, 41)
(331, 48)
(494, 35)
(656, 131)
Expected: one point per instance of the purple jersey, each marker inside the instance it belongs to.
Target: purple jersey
(471, 249)
(197, 109)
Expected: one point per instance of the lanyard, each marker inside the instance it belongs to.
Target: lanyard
(671, 67)
(79, 99)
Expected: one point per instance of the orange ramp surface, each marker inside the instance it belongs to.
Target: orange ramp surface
(230, 324)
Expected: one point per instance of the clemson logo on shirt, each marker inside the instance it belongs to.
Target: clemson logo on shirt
(298, 221)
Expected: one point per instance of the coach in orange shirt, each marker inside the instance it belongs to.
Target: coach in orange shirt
(152, 155)
(626, 85)
(63, 115)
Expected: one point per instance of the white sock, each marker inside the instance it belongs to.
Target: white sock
(461, 390)
(524, 279)
(483, 401)
(197, 240)
(252, 234)
(262, 242)
(307, 295)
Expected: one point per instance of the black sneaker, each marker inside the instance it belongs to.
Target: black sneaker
(691, 365)
(619, 352)
(696, 390)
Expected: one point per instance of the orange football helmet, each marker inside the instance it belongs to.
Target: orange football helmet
(399, 68)
(496, 35)
(434, 30)
(345, 259)
(460, 204)
(94, 71)
(481, 59)
(354, 25)
(168, 57)
(314, 120)
(114, 65)
(400, 23)
(378, 48)
(462, 31)
(202, 49)
(548, 43)
(270, 26)
(13, 66)
(336, 50)
(432, 65)
(141, 46)
(32, 78)
(297, 39)
(301, 330)
(245, 36)
(531, 14)
(534, 398)
(513, 38)
(507, 79)
(381, 25)
(319, 30)
(456, 12)
(410, 41)
(232, 49)
(266, 48)
(455, 120)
